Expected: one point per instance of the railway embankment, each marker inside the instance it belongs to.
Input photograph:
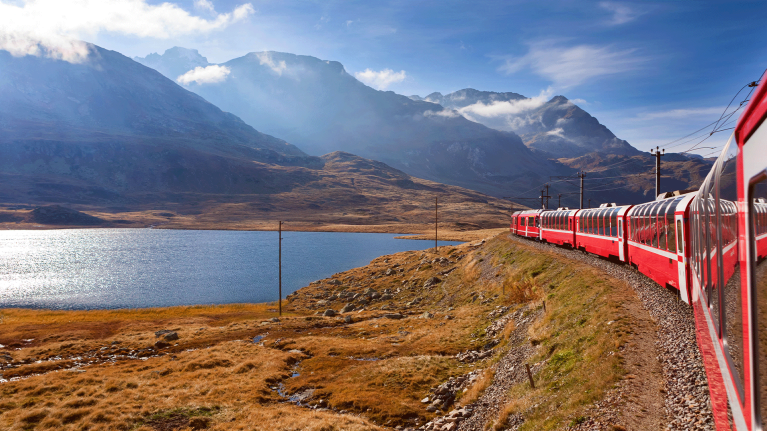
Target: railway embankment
(683, 384)
(438, 341)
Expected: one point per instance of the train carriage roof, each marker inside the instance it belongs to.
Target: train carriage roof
(754, 115)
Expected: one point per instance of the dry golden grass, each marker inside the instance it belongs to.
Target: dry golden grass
(478, 388)
(375, 368)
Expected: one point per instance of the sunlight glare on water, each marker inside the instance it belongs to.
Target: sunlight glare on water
(119, 268)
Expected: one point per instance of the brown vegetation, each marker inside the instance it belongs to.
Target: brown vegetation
(95, 369)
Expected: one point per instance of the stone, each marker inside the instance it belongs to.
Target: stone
(334, 282)
(162, 332)
(170, 336)
(161, 344)
(347, 308)
(348, 319)
(426, 315)
(329, 313)
(432, 281)
(322, 302)
(393, 315)
(448, 317)
(425, 400)
(431, 408)
(386, 297)
(274, 319)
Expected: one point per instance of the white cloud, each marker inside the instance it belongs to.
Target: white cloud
(206, 5)
(682, 113)
(446, 113)
(579, 101)
(506, 115)
(557, 132)
(380, 80)
(571, 66)
(621, 12)
(265, 58)
(54, 28)
(204, 75)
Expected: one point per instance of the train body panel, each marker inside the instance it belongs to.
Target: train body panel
(556, 227)
(600, 231)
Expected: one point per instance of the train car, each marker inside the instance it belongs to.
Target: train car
(600, 231)
(528, 223)
(514, 222)
(655, 241)
(557, 226)
(728, 269)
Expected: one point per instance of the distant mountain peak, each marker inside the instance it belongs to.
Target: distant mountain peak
(174, 62)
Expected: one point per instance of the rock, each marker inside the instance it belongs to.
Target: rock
(322, 302)
(431, 408)
(170, 336)
(425, 400)
(448, 317)
(334, 282)
(386, 297)
(274, 319)
(432, 281)
(329, 313)
(161, 344)
(347, 308)
(426, 315)
(162, 332)
(348, 319)
(393, 315)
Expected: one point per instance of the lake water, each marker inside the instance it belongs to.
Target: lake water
(128, 268)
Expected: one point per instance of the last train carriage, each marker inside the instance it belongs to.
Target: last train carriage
(710, 246)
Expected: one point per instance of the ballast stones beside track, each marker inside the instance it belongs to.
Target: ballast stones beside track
(687, 399)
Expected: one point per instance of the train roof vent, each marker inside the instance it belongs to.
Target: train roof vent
(606, 205)
(563, 209)
(761, 200)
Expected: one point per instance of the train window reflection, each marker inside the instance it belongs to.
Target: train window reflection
(758, 201)
(729, 264)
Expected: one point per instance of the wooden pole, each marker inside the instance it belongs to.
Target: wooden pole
(435, 223)
(530, 376)
(280, 265)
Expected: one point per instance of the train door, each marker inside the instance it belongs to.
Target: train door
(621, 240)
(681, 261)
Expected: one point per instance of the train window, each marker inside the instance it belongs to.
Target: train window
(614, 222)
(758, 209)
(729, 264)
(671, 226)
(679, 237)
(662, 224)
(603, 221)
(647, 227)
(655, 223)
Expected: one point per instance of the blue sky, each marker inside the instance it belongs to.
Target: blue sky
(650, 71)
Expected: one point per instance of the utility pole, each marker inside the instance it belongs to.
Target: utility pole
(547, 196)
(280, 265)
(657, 153)
(559, 200)
(436, 200)
(589, 203)
(582, 175)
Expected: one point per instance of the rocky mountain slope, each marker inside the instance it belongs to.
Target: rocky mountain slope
(559, 127)
(318, 106)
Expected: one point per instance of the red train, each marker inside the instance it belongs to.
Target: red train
(710, 246)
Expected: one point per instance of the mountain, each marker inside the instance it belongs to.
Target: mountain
(318, 106)
(110, 128)
(174, 62)
(558, 127)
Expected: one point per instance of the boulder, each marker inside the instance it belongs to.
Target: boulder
(395, 316)
(329, 313)
(170, 336)
(348, 319)
(347, 308)
(426, 315)
(432, 281)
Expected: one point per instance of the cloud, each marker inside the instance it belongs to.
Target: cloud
(380, 80)
(570, 66)
(265, 58)
(54, 28)
(446, 113)
(682, 113)
(506, 115)
(204, 75)
(557, 132)
(621, 12)
(206, 5)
